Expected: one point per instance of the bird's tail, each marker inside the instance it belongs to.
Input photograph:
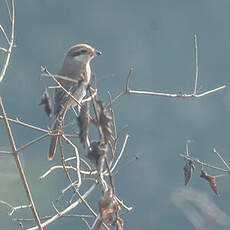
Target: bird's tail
(53, 141)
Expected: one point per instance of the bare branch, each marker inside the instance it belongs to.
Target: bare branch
(65, 211)
(121, 203)
(11, 43)
(55, 167)
(77, 160)
(19, 166)
(178, 95)
(12, 208)
(221, 158)
(18, 122)
(32, 142)
(196, 160)
(5, 35)
(59, 84)
(170, 95)
(113, 119)
(196, 65)
(122, 150)
(9, 11)
(71, 182)
(3, 49)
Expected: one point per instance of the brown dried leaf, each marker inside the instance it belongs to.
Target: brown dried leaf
(211, 180)
(107, 205)
(46, 101)
(105, 121)
(189, 168)
(119, 224)
(108, 209)
(97, 152)
(83, 123)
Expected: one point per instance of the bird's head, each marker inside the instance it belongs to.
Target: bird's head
(82, 53)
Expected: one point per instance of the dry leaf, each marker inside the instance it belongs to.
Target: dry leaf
(119, 224)
(107, 205)
(105, 121)
(83, 123)
(189, 168)
(45, 100)
(108, 208)
(211, 180)
(96, 152)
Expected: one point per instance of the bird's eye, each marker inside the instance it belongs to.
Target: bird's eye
(77, 53)
(83, 51)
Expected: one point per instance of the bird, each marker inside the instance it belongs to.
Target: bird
(74, 77)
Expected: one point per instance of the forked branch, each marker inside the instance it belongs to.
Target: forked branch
(10, 41)
(19, 166)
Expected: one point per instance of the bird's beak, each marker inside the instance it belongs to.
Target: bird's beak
(97, 52)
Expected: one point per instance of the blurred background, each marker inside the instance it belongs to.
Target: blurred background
(156, 38)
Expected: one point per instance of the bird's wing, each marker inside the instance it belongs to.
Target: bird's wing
(61, 97)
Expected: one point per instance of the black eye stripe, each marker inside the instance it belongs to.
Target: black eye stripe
(77, 53)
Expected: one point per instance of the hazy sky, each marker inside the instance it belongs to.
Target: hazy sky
(156, 38)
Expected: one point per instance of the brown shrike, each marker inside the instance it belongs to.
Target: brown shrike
(76, 67)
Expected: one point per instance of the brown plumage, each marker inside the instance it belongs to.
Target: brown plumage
(76, 67)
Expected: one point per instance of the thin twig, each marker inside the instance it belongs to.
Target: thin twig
(71, 182)
(85, 221)
(113, 119)
(3, 49)
(196, 65)
(90, 97)
(44, 69)
(5, 152)
(67, 167)
(170, 95)
(55, 167)
(9, 12)
(126, 91)
(65, 211)
(204, 164)
(122, 150)
(59, 85)
(5, 35)
(48, 217)
(84, 161)
(110, 176)
(12, 208)
(173, 95)
(19, 166)
(32, 142)
(18, 122)
(77, 160)
(221, 158)
(121, 203)
(11, 45)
